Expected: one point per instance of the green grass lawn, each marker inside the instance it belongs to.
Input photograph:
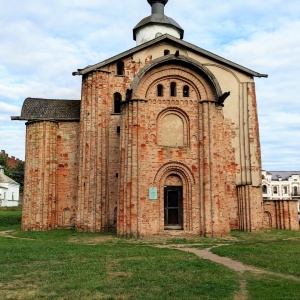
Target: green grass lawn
(274, 250)
(63, 264)
(10, 218)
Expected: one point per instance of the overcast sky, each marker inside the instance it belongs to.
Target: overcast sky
(42, 42)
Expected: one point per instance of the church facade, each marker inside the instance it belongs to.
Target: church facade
(164, 139)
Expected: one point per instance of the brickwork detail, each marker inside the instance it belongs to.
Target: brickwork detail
(97, 174)
(281, 214)
(11, 160)
(50, 175)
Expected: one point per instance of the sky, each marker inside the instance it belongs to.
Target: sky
(42, 42)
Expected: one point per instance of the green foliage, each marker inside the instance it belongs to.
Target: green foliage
(16, 173)
(3, 163)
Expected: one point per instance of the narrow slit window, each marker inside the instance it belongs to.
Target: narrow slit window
(173, 89)
(117, 103)
(160, 90)
(120, 68)
(186, 91)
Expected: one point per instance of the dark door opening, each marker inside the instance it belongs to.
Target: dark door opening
(173, 207)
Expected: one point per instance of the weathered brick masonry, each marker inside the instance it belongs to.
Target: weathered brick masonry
(164, 139)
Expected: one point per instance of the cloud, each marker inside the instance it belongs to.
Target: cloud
(43, 42)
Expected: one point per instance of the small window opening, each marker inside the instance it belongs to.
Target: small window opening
(118, 129)
(166, 52)
(285, 189)
(160, 90)
(275, 190)
(117, 103)
(186, 91)
(173, 89)
(264, 189)
(120, 68)
(295, 191)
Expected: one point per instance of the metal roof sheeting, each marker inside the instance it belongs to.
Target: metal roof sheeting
(169, 39)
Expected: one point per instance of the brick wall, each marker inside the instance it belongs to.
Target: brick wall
(11, 160)
(96, 174)
(50, 186)
(281, 214)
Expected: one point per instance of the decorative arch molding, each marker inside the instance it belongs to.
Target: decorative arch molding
(225, 69)
(188, 180)
(267, 219)
(175, 168)
(155, 76)
(182, 116)
(181, 61)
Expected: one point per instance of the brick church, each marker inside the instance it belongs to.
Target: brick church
(164, 140)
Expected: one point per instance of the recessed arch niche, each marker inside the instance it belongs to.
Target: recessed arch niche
(175, 174)
(186, 70)
(173, 128)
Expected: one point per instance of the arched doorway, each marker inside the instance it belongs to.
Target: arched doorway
(267, 220)
(173, 203)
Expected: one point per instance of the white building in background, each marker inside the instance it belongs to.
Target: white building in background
(281, 185)
(9, 190)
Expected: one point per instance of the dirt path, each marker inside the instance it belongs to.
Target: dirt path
(239, 267)
(7, 234)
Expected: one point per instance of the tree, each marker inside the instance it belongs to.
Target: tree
(3, 163)
(16, 173)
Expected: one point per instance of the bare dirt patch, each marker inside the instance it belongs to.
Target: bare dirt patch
(8, 234)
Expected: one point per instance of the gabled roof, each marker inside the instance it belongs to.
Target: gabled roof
(5, 179)
(34, 109)
(170, 39)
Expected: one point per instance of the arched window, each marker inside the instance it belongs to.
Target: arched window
(120, 68)
(264, 189)
(117, 103)
(186, 91)
(295, 191)
(284, 189)
(160, 90)
(173, 89)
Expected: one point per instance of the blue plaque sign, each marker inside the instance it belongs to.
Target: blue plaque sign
(153, 193)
